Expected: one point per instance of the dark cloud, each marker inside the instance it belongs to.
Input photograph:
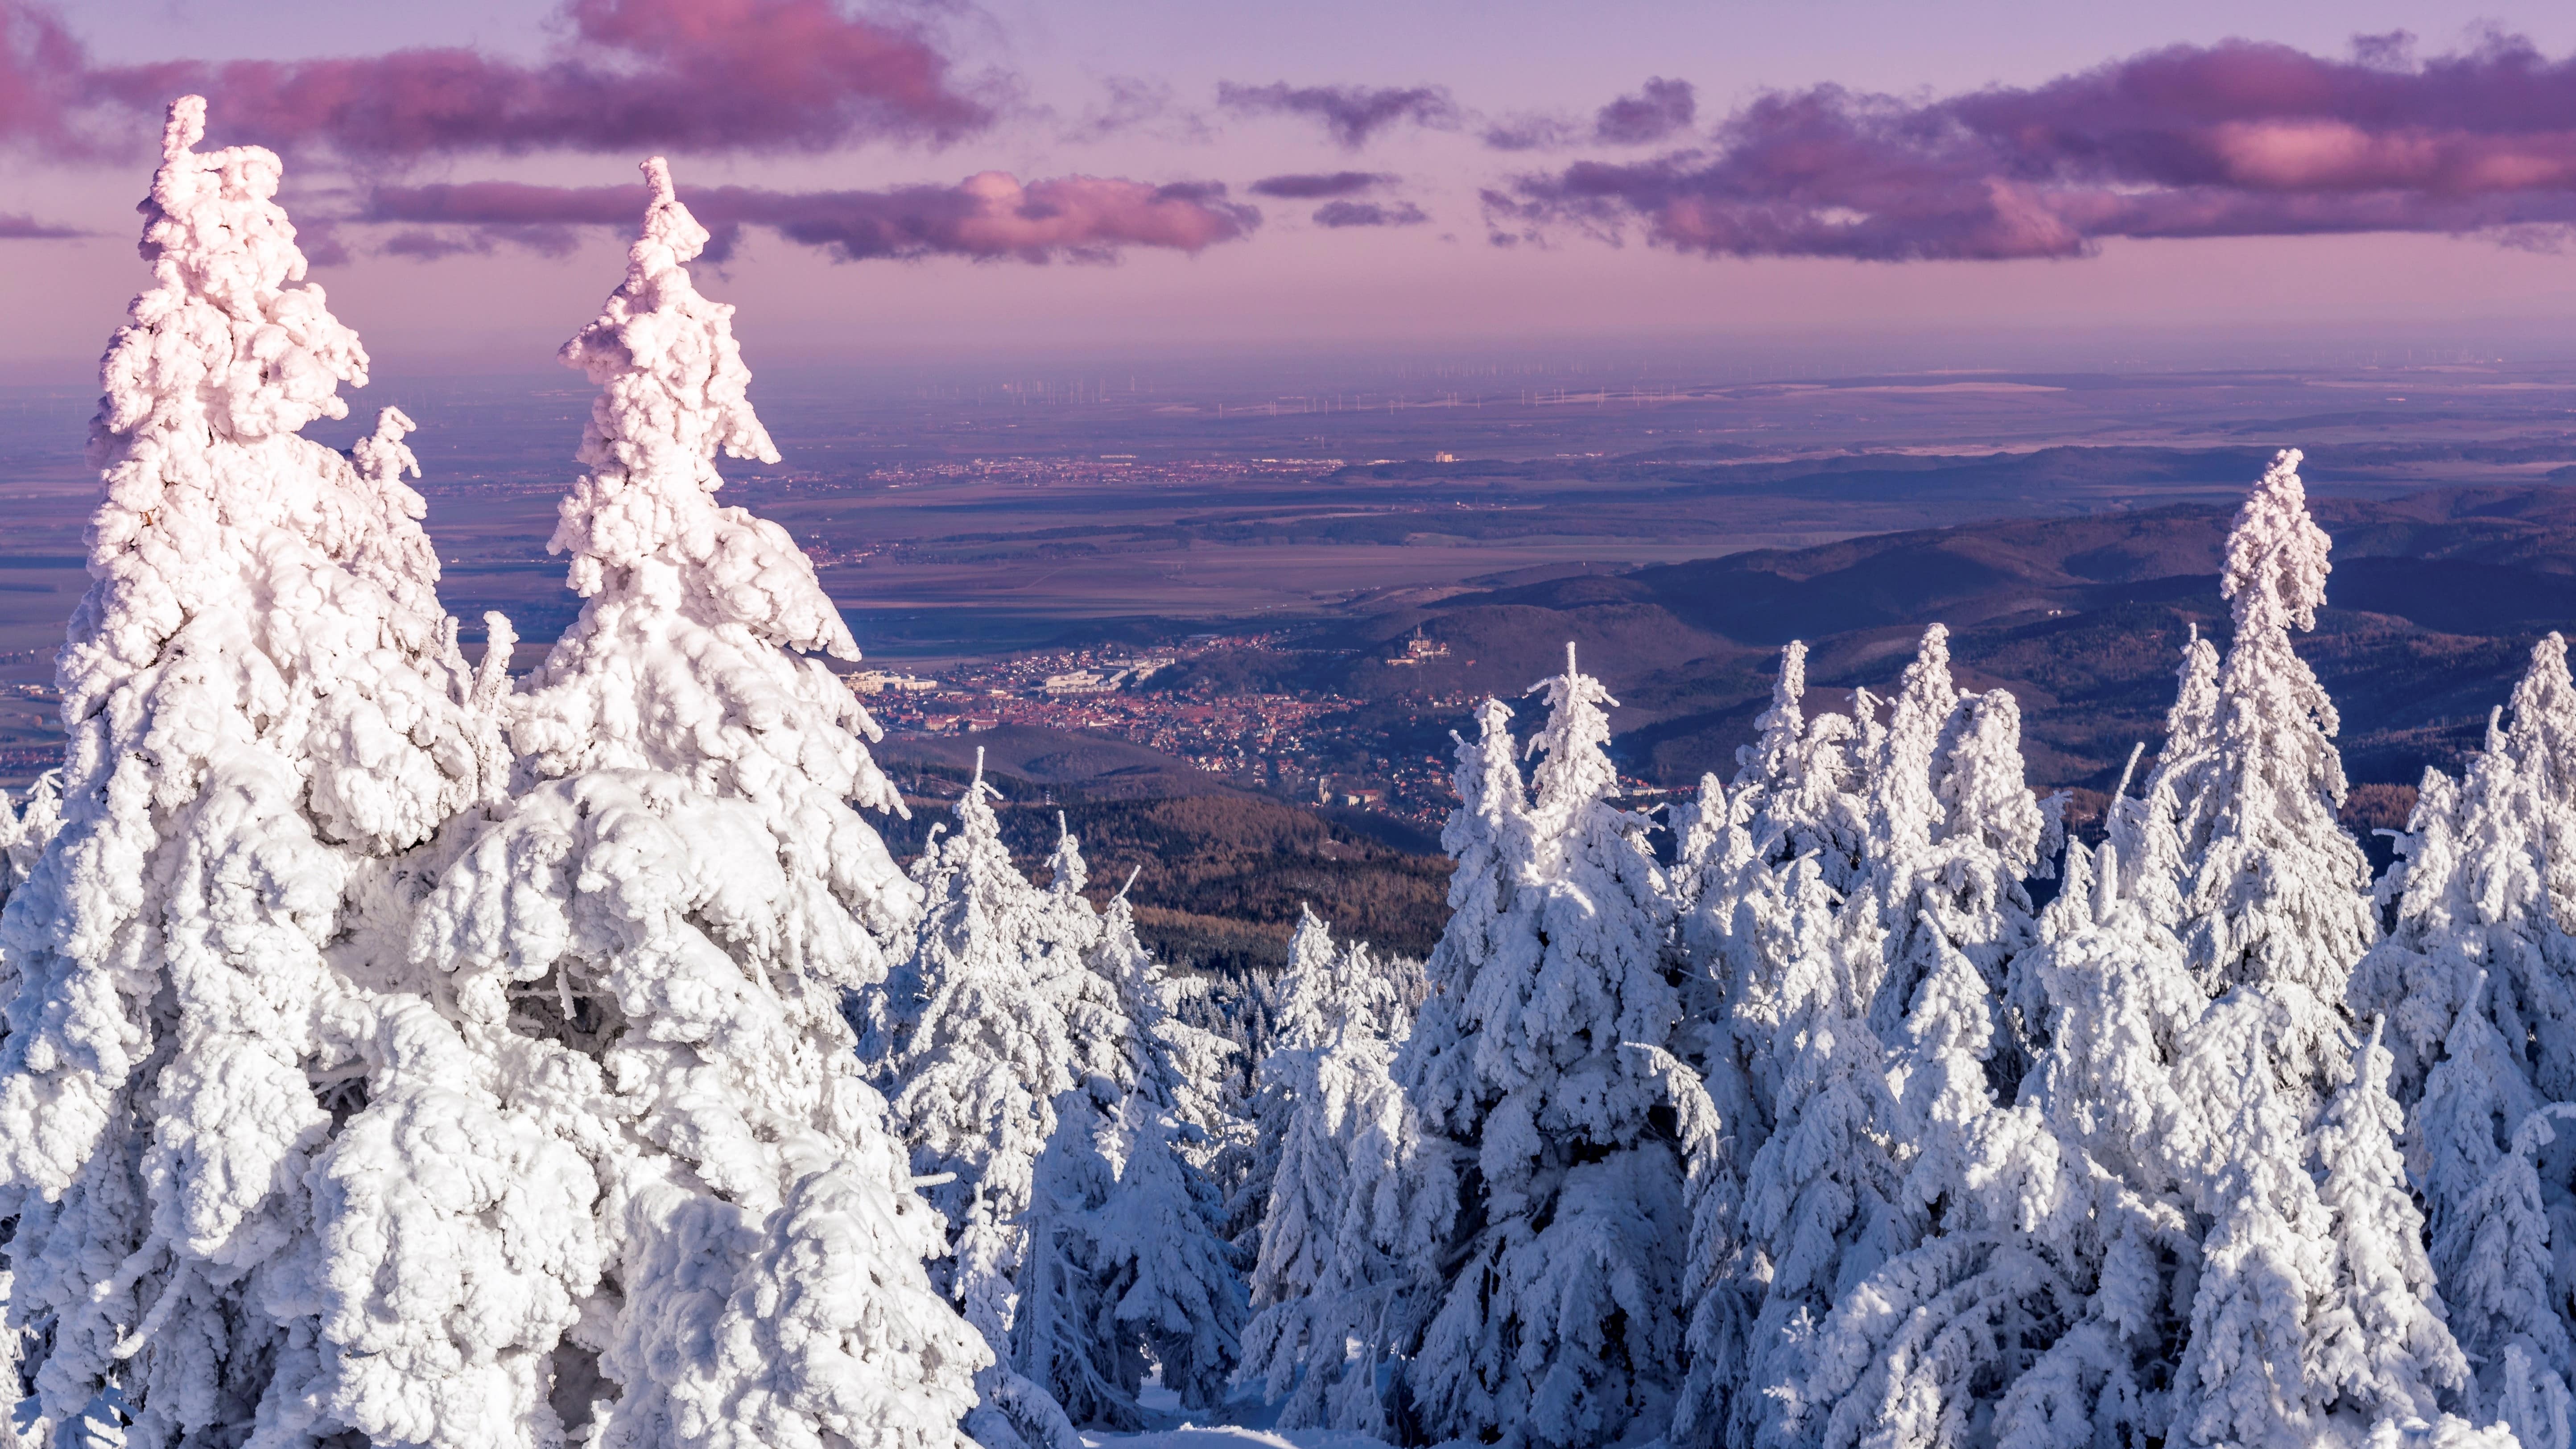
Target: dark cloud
(2237, 139)
(18, 226)
(1351, 114)
(1658, 109)
(1369, 213)
(1309, 186)
(1654, 113)
(630, 75)
(990, 216)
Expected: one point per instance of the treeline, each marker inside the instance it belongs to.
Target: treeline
(2228, 1144)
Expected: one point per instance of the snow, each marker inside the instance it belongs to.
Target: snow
(398, 1053)
(1227, 1436)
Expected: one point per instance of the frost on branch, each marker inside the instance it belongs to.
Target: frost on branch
(267, 712)
(647, 956)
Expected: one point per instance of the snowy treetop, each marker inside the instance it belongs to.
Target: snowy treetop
(2276, 554)
(224, 339)
(673, 393)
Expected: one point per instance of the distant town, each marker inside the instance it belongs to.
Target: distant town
(1312, 748)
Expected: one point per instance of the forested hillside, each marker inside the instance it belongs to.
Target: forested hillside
(2436, 599)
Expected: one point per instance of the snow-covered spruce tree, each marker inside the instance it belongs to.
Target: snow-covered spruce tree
(1800, 1173)
(1740, 942)
(1822, 1197)
(2152, 832)
(1487, 838)
(1560, 1316)
(2279, 891)
(1126, 1268)
(1757, 891)
(2275, 915)
(1954, 833)
(2476, 979)
(1298, 1030)
(2087, 1165)
(1912, 1353)
(2385, 1344)
(267, 713)
(628, 1126)
(26, 828)
(1000, 1016)
(1801, 779)
(1189, 1069)
(1329, 1074)
(1177, 1282)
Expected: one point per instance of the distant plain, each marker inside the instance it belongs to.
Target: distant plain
(962, 514)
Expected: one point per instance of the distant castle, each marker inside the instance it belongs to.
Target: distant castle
(1418, 650)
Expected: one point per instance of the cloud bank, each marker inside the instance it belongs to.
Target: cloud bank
(628, 76)
(991, 216)
(2236, 139)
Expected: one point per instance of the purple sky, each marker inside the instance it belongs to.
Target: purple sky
(1122, 175)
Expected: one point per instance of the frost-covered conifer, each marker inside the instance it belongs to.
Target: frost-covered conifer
(2478, 981)
(2149, 831)
(2385, 1346)
(267, 713)
(1488, 838)
(1954, 832)
(1179, 1286)
(636, 1059)
(1747, 941)
(2467, 978)
(2089, 1166)
(26, 828)
(1003, 1016)
(1126, 1259)
(1190, 1070)
(1298, 1029)
(1331, 1069)
(1800, 778)
(1560, 1322)
(2275, 916)
(1912, 1352)
(1822, 1195)
(1324, 1001)
(2279, 890)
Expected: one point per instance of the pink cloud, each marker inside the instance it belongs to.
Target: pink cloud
(2237, 139)
(989, 216)
(685, 75)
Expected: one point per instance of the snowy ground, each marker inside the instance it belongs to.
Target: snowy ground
(1170, 1428)
(1232, 1437)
